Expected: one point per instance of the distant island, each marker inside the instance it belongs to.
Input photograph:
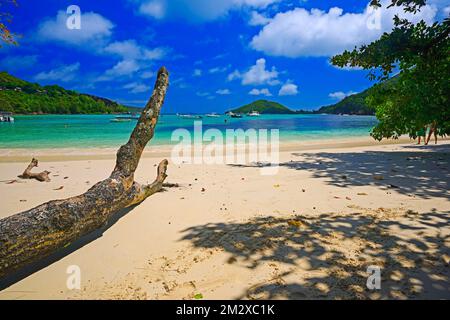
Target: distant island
(264, 107)
(23, 97)
(354, 104)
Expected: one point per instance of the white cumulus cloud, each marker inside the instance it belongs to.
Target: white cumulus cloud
(446, 10)
(234, 75)
(339, 95)
(134, 58)
(195, 10)
(64, 73)
(95, 30)
(197, 73)
(260, 92)
(156, 8)
(136, 87)
(96, 35)
(256, 75)
(219, 69)
(147, 74)
(128, 48)
(120, 69)
(131, 50)
(258, 19)
(301, 32)
(288, 89)
(203, 94)
(223, 92)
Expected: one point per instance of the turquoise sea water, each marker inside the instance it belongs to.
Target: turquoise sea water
(87, 131)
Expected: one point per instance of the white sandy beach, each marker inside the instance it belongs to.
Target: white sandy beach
(308, 232)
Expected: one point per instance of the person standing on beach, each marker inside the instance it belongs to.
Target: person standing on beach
(422, 133)
(433, 130)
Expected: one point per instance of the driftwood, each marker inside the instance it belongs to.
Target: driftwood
(41, 176)
(31, 235)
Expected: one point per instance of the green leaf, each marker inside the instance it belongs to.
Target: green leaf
(198, 296)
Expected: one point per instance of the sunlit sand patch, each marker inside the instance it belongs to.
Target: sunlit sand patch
(297, 258)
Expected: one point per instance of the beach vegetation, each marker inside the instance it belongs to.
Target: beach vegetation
(417, 54)
(24, 97)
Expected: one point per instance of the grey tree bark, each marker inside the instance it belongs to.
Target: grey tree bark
(36, 233)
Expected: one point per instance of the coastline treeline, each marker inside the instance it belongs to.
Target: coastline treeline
(19, 96)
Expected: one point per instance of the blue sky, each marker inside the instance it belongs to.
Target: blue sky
(221, 54)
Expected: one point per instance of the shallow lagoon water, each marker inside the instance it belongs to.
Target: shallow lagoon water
(88, 131)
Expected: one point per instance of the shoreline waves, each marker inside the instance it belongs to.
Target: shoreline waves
(158, 151)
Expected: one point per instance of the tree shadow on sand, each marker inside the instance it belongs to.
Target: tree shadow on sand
(422, 174)
(326, 257)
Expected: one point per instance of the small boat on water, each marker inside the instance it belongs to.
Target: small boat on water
(189, 116)
(6, 117)
(130, 117)
(235, 115)
(213, 115)
(254, 114)
(120, 119)
(126, 118)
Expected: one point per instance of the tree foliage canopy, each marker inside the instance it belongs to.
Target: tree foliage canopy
(5, 20)
(420, 95)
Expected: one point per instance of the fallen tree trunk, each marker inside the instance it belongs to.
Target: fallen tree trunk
(36, 233)
(41, 176)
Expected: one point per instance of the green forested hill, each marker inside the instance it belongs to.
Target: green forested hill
(24, 97)
(264, 107)
(356, 103)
